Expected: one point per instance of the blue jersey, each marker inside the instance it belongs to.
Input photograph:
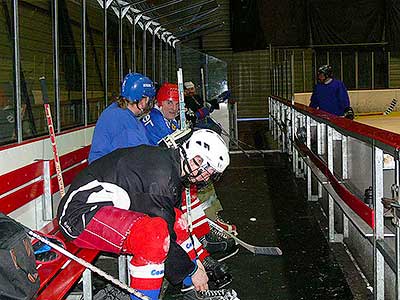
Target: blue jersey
(158, 127)
(331, 97)
(116, 128)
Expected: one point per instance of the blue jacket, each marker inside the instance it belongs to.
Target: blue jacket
(158, 127)
(331, 97)
(116, 128)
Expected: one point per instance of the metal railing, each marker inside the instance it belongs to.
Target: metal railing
(338, 158)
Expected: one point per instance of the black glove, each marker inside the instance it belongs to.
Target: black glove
(349, 113)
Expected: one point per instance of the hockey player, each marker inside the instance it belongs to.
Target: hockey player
(158, 124)
(118, 125)
(126, 203)
(161, 121)
(330, 94)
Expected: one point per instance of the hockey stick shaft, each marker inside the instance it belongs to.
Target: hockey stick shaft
(87, 265)
(45, 97)
(254, 249)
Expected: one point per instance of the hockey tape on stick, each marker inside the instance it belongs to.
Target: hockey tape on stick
(45, 97)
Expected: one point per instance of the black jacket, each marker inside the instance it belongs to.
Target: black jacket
(144, 179)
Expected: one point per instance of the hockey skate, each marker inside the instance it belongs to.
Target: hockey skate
(231, 228)
(223, 294)
(217, 273)
(219, 245)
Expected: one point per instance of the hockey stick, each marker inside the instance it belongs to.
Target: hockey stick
(86, 264)
(45, 97)
(390, 107)
(257, 250)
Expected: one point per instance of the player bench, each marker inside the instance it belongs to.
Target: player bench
(38, 180)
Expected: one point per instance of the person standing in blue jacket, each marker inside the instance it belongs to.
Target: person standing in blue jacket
(161, 120)
(330, 94)
(118, 125)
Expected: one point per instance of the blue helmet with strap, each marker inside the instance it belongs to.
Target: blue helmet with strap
(136, 86)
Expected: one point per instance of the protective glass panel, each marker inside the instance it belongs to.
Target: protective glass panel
(364, 70)
(112, 56)
(349, 69)
(7, 118)
(70, 63)
(35, 32)
(95, 60)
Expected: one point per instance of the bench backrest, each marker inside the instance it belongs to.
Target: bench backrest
(25, 184)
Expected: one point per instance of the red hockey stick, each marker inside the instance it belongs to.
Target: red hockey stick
(45, 97)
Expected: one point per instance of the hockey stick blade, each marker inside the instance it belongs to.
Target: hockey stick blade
(257, 250)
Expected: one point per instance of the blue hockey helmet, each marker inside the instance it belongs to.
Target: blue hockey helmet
(136, 86)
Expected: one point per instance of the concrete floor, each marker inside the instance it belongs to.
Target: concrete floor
(264, 188)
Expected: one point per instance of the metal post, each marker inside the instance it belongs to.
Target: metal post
(153, 56)
(17, 71)
(203, 83)
(56, 65)
(105, 45)
(379, 262)
(388, 64)
(161, 59)
(304, 70)
(134, 45)
(47, 209)
(309, 173)
(122, 268)
(84, 65)
(331, 203)
(132, 42)
(166, 61)
(397, 225)
(87, 284)
(341, 65)
(120, 47)
(372, 70)
(292, 74)
(144, 47)
(356, 67)
(345, 176)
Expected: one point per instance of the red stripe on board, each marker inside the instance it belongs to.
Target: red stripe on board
(360, 208)
(20, 197)
(16, 178)
(74, 157)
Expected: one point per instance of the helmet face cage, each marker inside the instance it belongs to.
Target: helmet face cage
(326, 70)
(210, 147)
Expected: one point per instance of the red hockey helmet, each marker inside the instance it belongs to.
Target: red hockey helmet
(168, 91)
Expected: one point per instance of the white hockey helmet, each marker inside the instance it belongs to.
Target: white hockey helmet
(210, 147)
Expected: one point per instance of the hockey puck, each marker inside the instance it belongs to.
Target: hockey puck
(253, 219)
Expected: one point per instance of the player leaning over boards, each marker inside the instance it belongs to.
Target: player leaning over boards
(330, 94)
(127, 203)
